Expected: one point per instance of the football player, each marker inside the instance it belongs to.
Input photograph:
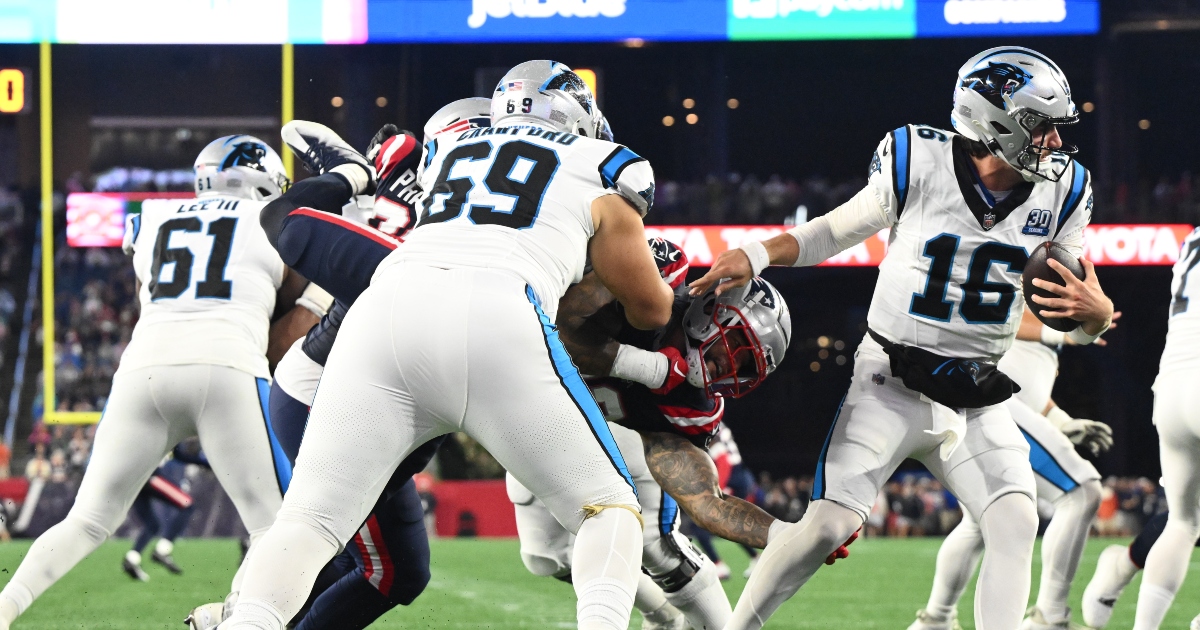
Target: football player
(1176, 401)
(965, 208)
(675, 417)
(316, 227)
(169, 487)
(197, 364)
(512, 214)
(1063, 477)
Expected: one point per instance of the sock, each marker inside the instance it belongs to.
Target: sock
(703, 600)
(605, 569)
(15, 600)
(133, 557)
(1153, 604)
(1009, 527)
(164, 547)
(956, 562)
(1166, 567)
(1062, 547)
(649, 596)
(790, 559)
(254, 614)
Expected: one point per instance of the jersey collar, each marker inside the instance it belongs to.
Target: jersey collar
(987, 215)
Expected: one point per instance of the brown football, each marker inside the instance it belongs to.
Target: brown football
(1037, 267)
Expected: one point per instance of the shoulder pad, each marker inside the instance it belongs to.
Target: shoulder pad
(133, 225)
(630, 175)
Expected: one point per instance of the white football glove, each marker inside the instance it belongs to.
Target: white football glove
(1095, 436)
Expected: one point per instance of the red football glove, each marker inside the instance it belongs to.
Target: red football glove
(842, 552)
(677, 370)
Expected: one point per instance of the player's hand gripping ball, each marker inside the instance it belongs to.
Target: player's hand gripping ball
(1038, 266)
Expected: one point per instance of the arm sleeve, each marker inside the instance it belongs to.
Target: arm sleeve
(631, 176)
(1076, 212)
(847, 225)
(327, 193)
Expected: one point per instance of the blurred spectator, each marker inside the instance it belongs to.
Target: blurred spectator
(58, 466)
(5, 461)
(38, 467)
(80, 448)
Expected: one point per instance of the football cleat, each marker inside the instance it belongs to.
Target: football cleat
(322, 150)
(205, 617)
(1195, 623)
(723, 571)
(1035, 620)
(167, 561)
(926, 621)
(1114, 571)
(134, 570)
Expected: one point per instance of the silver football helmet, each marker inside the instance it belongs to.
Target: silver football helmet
(736, 339)
(242, 166)
(461, 115)
(547, 94)
(1007, 98)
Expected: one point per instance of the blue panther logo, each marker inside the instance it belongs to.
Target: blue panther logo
(996, 80)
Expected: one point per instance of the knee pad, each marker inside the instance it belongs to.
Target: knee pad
(1087, 494)
(545, 566)
(671, 561)
(836, 523)
(93, 529)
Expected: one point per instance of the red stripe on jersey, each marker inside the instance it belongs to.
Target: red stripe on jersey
(345, 223)
(697, 429)
(394, 150)
(171, 492)
(385, 559)
(368, 566)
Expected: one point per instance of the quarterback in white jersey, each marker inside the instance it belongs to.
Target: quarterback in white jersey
(1063, 477)
(196, 366)
(509, 220)
(1177, 417)
(965, 210)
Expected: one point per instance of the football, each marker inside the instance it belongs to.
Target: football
(1038, 267)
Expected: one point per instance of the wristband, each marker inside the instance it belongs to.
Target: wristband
(1058, 417)
(1082, 338)
(1052, 338)
(776, 527)
(315, 299)
(757, 253)
(640, 366)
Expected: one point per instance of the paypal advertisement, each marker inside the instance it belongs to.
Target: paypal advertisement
(544, 20)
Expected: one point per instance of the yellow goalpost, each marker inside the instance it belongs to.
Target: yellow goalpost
(49, 394)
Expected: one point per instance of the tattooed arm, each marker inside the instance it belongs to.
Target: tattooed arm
(588, 341)
(688, 474)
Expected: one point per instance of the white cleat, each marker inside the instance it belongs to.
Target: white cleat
(1114, 571)
(205, 617)
(1035, 620)
(1195, 623)
(750, 568)
(926, 621)
(723, 571)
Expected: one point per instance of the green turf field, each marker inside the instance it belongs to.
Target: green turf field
(482, 584)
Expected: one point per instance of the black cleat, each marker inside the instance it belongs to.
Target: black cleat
(167, 561)
(134, 571)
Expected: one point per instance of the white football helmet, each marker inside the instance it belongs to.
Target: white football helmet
(242, 166)
(1004, 97)
(736, 339)
(461, 115)
(547, 94)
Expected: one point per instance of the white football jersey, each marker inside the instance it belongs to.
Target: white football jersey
(1034, 366)
(208, 282)
(1183, 326)
(951, 280)
(519, 199)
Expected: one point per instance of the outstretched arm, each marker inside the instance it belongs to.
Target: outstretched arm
(690, 477)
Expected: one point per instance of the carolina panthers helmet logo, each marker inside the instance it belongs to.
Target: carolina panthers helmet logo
(996, 80)
(245, 154)
(569, 83)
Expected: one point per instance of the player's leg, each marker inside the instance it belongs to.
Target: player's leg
(990, 474)
(874, 430)
(392, 557)
(1073, 485)
(143, 506)
(529, 407)
(132, 438)
(956, 562)
(1178, 423)
(165, 547)
(689, 579)
(364, 421)
(332, 251)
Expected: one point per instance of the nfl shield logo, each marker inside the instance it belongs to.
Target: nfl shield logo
(989, 221)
